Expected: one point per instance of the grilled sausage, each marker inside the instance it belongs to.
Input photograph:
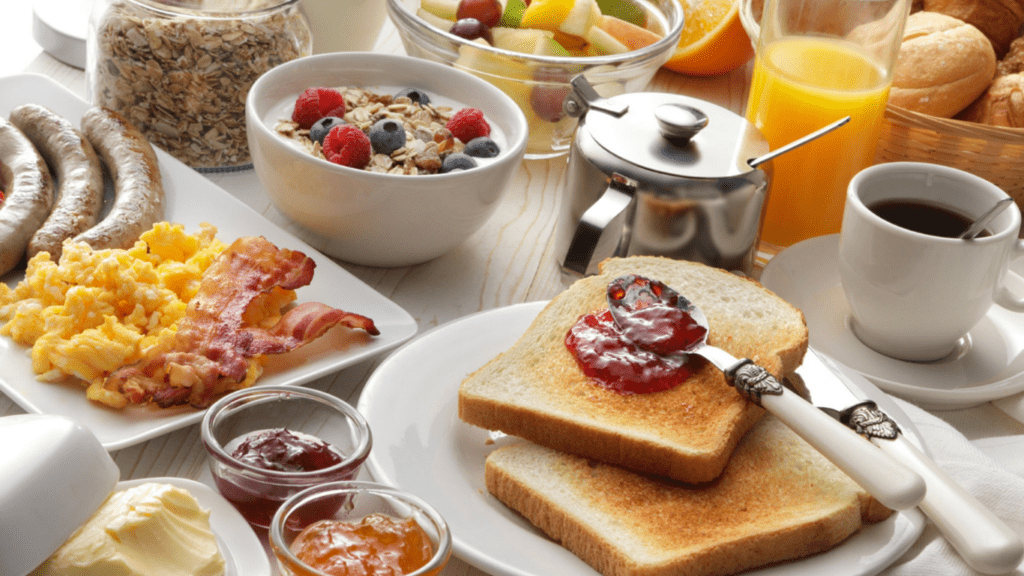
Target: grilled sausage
(133, 166)
(29, 197)
(79, 177)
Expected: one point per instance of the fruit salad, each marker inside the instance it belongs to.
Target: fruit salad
(546, 27)
(401, 133)
(564, 29)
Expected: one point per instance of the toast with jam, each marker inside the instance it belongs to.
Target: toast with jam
(778, 499)
(537, 389)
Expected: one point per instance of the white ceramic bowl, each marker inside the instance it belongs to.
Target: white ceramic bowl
(370, 218)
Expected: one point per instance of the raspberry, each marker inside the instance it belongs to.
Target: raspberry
(348, 145)
(316, 103)
(467, 124)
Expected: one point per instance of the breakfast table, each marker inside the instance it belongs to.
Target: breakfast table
(510, 261)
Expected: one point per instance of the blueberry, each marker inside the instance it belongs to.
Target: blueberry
(457, 161)
(321, 127)
(387, 135)
(482, 147)
(417, 96)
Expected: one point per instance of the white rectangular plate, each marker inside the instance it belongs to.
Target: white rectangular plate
(192, 199)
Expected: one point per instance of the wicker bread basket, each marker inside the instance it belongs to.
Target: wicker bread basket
(994, 153)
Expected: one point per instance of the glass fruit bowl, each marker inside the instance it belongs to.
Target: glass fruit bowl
(534, 66)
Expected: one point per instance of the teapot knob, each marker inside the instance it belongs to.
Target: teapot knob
(679, 123)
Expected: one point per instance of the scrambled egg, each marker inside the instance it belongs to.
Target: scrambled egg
(99, 310)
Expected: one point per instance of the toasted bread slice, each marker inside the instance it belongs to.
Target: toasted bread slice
(778, 499)
(536, 390)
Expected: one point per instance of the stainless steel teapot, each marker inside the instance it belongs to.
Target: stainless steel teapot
(660, 174)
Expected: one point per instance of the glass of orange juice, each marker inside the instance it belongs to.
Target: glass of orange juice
(818, 61)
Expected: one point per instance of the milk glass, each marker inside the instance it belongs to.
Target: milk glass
(818, 61)
(344, 25)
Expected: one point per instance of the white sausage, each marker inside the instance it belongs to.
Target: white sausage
(138, 188)
(79, 177)
(28, 198)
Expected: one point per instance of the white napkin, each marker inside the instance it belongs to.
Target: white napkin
(993, 484)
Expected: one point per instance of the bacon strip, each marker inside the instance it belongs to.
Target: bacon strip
(213, 348)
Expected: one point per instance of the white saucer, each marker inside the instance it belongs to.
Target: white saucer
(989, 364)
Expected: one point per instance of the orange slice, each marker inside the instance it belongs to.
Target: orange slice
(713, 39)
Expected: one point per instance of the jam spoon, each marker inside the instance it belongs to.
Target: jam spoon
(889, 481)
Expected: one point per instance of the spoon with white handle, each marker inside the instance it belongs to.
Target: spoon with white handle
(889, 481)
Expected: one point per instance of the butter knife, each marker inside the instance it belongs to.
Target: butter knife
(984, 541)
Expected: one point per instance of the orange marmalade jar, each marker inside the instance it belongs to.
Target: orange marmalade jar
(377, 544)
(358, 529)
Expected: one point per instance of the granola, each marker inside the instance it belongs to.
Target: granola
(183, 77)
(427, 141)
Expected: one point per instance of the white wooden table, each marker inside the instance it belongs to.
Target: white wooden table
(508, 261)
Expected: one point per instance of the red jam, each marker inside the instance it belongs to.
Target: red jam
(376, 545)
(640, 349)
(284, 451)
(276, 450)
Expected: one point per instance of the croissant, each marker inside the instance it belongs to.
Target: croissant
(1013, 62)
(1001, 105)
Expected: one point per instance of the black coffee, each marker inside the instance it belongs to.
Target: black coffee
(923, 217)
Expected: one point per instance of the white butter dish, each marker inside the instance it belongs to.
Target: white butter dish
(56, 475)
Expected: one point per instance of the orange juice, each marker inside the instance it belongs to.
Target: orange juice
(801, 84)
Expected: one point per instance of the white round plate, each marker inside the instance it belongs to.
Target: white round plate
(420, 445)
(243, 553)
(991, 366)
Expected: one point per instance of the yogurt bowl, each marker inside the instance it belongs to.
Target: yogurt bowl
(371, 218)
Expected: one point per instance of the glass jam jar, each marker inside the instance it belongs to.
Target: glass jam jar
(180, 70)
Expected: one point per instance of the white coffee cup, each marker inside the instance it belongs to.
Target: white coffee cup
(913, 296)
(344, 25)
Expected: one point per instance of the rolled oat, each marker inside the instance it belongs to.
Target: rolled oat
(183, 76)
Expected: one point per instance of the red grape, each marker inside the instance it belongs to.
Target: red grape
(546, 101)
(488, 12)
(471, 29)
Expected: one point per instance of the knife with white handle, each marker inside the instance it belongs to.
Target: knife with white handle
(640, 307)
(984, 541)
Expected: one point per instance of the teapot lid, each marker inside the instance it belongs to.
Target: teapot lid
(669, 133)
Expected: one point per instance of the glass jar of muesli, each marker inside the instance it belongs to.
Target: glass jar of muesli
(180, 70)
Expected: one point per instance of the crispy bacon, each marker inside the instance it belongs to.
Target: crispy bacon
(214, 348)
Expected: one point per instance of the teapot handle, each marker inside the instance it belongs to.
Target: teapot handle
(593, 242)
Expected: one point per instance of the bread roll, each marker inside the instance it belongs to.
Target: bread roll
(943, 65)
(998, 20)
